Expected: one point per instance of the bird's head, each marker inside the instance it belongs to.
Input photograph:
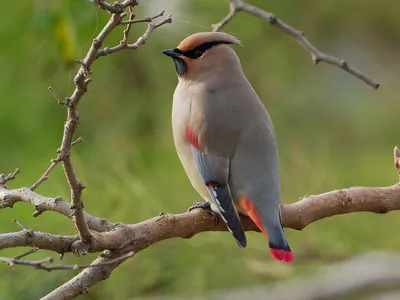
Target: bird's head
(202, 54)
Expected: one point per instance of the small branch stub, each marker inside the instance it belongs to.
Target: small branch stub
(397, 160)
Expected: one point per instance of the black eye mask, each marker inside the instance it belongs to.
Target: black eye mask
(197, 52)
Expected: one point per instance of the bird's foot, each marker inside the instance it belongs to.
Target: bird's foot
(207, 207)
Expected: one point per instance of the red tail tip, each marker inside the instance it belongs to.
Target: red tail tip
(282, 255)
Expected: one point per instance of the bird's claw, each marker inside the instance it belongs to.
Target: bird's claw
(207, 207)
(203, 205)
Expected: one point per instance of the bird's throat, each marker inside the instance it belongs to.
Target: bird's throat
(180, 66)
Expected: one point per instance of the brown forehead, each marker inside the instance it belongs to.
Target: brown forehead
(195, 40)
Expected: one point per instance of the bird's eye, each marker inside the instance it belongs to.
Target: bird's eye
(198, 53)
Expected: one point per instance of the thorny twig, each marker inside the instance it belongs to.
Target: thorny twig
(236, 6)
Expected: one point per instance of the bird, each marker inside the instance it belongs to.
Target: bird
(225, 138)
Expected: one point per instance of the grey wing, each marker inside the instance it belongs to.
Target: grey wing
(214, 171)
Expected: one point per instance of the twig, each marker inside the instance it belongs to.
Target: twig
(117, 7)
(81, 283)
(23, 227)
(316, 55)
(77, 141)
(397, 160)
(41, 264)
(9, 197)
(144, 20)
(4, 179)
(150, 28)
(128, 27)
(53, 164)
(141, 40)
(59, 100)
(26, 253)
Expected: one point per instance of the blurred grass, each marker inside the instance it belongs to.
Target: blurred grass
(333, 132)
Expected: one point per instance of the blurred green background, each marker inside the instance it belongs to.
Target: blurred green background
(333, 132)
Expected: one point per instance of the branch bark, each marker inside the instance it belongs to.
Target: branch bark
(297, 216)
(80, 284)
(41, 204)
(236, 6)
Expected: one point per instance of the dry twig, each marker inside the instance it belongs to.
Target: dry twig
(141, 40)
(236, 6)
(41, 264)
(53, 164)
(4, 179)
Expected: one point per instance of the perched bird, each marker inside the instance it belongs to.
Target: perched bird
(225, 138)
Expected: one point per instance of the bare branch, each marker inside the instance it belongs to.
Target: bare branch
(41, 264)
(380, 200)
(26, 253)
(37, 239)
(81, 83)
(145, 20)
(316, 55)
(9, 197)
(59, 100)
(297, 216)
(142, 40)
(4, 179)
(116, 8)
(53, 164)
(81, 283)
(23, 227)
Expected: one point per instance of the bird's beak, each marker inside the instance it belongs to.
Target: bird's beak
(174, 53)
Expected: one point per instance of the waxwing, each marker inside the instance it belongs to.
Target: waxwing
(225, 138)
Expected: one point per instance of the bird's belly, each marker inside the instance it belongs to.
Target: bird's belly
(187, 160)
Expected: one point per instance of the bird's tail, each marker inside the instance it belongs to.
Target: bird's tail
(272, 230)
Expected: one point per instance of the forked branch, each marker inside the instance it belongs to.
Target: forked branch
(236, 6)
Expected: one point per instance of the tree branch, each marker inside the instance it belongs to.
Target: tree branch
(54, 162)
(81, 84)
(81, 283)
(316, 55)
(41, 264)
(141, 40)
(297, 216)
(29, 238)
(4, 179)
(137, 237)
(41, 204)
